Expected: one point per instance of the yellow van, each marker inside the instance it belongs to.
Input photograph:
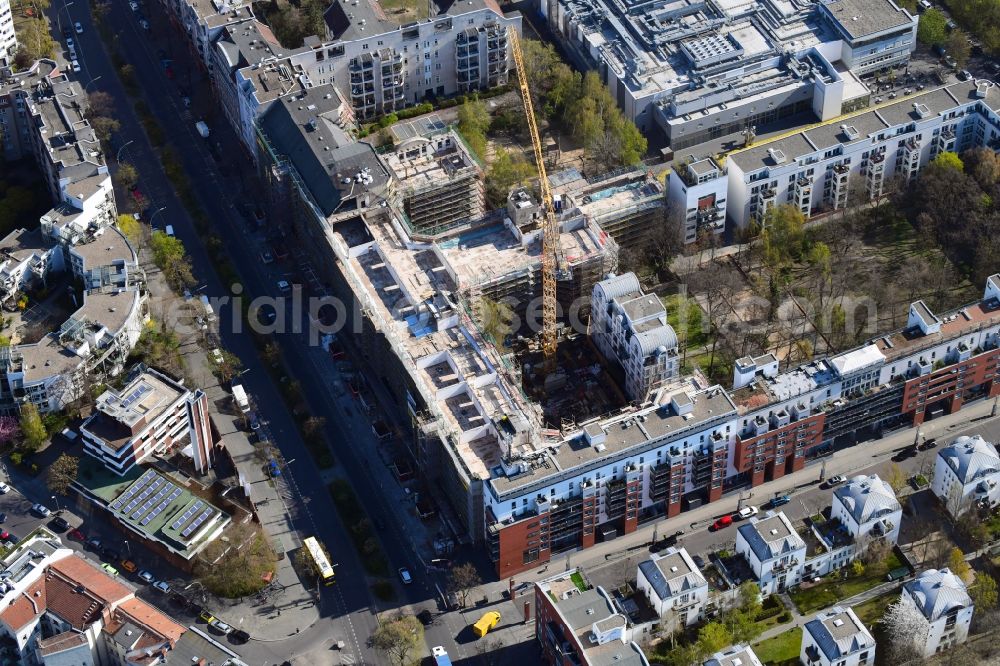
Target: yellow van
(489, 620)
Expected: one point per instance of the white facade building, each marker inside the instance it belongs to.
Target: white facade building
(867, 507)
(773, 549)
(942, 599)
(674, 586)
(150, 415)
(816, 169)
(736, 655)
(698, 194)
(836, 637)
(965, 473)
(8, 40)
(631, 328)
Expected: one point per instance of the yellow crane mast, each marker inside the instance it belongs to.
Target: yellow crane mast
(550, 231)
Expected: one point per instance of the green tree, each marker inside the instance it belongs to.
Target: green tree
(33, 36)
(933, 27)
(132, 229)
(170, 257)
(104, 127)
(958, 47)
(958, 565)
(33, 432)
(750, 598)
(711, 638)
(506, 171)
(398, 638)
(984, 592)
(948, 160)
(473, 122)
(126, 175)
(783, 237)
(858, 568)
(62, 473)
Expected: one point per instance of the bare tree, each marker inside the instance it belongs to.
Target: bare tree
(462, 579)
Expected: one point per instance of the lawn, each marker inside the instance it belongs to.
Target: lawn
(782, 649)
(411, 10)
(685, 316)
(577, 579)
(834, 588)
(872, 610)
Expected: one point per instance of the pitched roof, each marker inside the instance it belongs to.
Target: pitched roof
(61, 642)
(839, 633)
(771, 536)
(936, 592)
(71, 601)
(101, 585)
(867, 498)
(145, 615)
(672, 573)
(26, 607)
(971, 458)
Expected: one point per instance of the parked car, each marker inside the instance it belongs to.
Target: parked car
(747, 512)
(134, 6)
(206, 616)
(483, 625)
(3, 517)
(220, 626)
(162, 586)
(94, 544)
(4, 488)
(79, 28)
(239, 636)
(780, 500)
(77, 535)
(110, 554)
(110, 570)
(266, 257)
(59, 524)
(405, 576)
(129, 566)
(722, 522)
(835, 480)
(146, 577)
(41, 510)
(284, 287)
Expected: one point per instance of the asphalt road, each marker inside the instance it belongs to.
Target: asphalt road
(345, 606)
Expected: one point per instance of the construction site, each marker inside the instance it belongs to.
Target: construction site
(438, 181)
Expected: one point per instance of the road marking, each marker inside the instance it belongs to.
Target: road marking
(347, 658)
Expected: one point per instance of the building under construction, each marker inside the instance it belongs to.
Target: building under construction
(628, 204)
(438, 181)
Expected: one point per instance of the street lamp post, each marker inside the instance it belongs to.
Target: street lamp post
(57, 503)
(68, 16)
(128, 548)
(91, 83)
(153, 216)
(124, 145)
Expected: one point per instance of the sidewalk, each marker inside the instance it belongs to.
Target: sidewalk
(846, 462)
(273, 502)
(799, 620)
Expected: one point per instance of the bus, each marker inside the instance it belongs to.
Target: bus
(320, 559)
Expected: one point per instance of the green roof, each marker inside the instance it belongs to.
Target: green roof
(153, 504)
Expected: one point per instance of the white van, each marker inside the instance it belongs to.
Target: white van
(170, 230)
(209, 310)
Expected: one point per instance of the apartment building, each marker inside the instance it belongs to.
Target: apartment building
(736, 655)
(867, 508)
(941, 597)
(836, 637)
(8, 39)
(43, 114)
(582, 627)
(774, 550)
(674, 587)
(818, 169)
(967, 475)
(153, 413)
(697, 194)
(630, 328)
(61, 609)
(714, 70)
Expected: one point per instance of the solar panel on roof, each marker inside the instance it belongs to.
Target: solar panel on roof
(130, 492)
(197, 522)
(187, 514)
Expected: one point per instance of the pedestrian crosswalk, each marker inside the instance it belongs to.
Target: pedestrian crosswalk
(347, 658)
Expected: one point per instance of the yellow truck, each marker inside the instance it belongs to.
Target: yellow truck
(483, 625)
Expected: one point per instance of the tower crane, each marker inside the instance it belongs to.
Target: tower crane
(552, 260)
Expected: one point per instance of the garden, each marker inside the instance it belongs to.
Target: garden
(844, 584)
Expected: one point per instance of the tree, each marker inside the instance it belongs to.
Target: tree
(905, 628)
(100, 104)
(132, 229)
(10, 430)
(783, 236)
(462, 579)
(876, 550)
(62, 473)
(398, 637)
(958, 565)
(238, 565)
(33, 433)
(228, 365)
(750, 598)
(958, 47)
(171, 258)
(858, 568)
(506, 171)
(896, 478)
(473, 122)
(126, 175)
(711, 638)
(104, 127)
(933, 27)
(984, 592)
(35, 42)
(948, 160)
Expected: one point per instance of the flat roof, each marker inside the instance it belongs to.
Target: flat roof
(860, 18)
